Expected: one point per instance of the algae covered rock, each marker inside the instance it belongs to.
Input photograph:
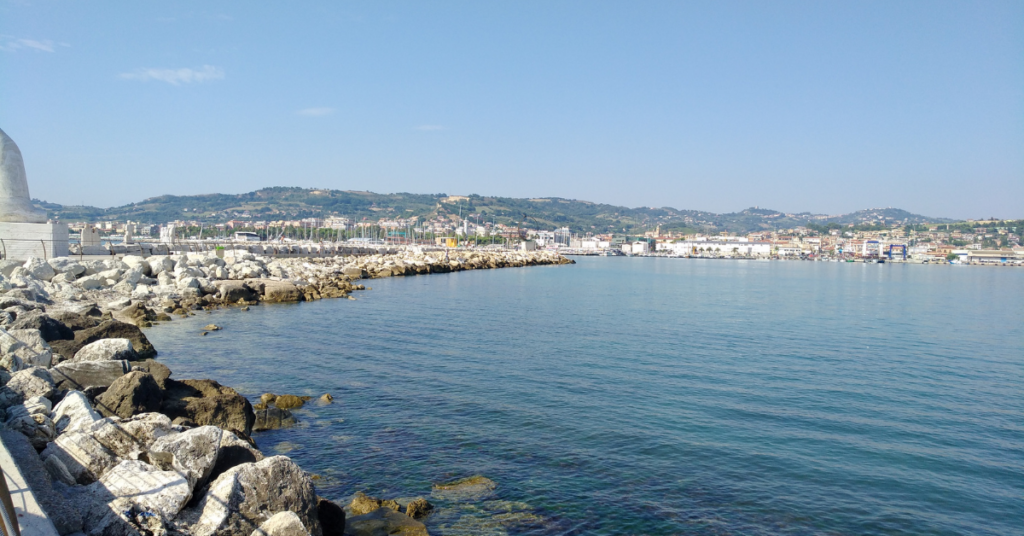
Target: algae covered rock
(472, 488)
(384, 522)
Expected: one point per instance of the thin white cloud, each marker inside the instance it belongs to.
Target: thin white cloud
(316, 112)
(11, 44)
(431, 127)
(177, 76)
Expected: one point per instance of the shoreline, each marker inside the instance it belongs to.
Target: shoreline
(120, 447)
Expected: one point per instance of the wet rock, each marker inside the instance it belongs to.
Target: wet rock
(272, 419)
(473, 488)
(246, 496)
(194, 452)
(384, 522)
(289, 402)
(332, 517)
(268, 398)
(30, 382)
(135, 392)
(364, 504)
(79, 376)
(418, 508)
(212, 327)
(285, 523)
(84, 457)
(326, 398)
(49, 328)
(74, 413)
(106, 350)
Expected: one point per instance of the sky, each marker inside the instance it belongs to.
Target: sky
(820, 106)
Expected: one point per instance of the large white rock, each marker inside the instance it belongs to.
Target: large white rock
(148, 488)
(38, 404)
(135, 261)
(30, 382)
(65, 265)
(247, 495)
(106, 350)
(195, 452)
(84, 457)
(74, 413)
(39, 269)
(130, 438)
(282, 524)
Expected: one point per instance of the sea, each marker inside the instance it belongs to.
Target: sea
(652, 395)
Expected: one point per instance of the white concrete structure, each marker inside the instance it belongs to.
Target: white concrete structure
(24, 231)
(720, 248)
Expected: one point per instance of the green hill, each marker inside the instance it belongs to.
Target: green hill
(282, 203)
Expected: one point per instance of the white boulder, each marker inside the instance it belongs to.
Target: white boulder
(106, 350)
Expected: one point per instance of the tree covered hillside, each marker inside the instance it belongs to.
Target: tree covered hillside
(282, 203)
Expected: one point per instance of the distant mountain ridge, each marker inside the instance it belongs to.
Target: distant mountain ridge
(291, 203)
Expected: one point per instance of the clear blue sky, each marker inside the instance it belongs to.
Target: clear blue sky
(799, 106)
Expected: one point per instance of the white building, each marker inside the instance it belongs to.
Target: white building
(741, 248)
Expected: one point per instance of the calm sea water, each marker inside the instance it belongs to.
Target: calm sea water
(654, 396)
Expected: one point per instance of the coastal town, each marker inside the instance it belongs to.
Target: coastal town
(991, 241)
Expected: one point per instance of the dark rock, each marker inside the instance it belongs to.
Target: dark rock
(159, 371)
(209, 387)
(76, 321)
(49, 328)
(207, 402)
(418, 509)
(332, 517)
(272, 419)
(133, 393)
(112, 329)
(79, 376)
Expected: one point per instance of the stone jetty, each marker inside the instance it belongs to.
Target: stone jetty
(116, 446)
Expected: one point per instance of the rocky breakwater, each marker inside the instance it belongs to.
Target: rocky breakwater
(141, 290)
(115, 446)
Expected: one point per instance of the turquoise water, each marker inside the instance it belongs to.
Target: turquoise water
(654, 396)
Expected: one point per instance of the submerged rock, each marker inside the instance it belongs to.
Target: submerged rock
(384, 522)
(364, 504)
(290, 401)
(472, 488)
(272, 419)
